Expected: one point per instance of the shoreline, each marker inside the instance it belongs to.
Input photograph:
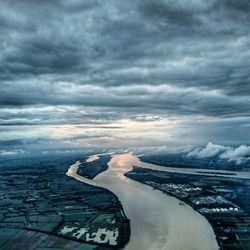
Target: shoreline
(161, 223)
(72, 172)
(184, 202)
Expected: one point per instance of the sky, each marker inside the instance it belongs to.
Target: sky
(123, 74)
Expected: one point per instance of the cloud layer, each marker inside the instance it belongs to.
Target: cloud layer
(238, 155)
(99, 62)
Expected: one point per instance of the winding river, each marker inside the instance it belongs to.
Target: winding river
(158, 221)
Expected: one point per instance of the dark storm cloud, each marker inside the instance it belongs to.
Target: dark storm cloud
(170, 13)
(127, 58)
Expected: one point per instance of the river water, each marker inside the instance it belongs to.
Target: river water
(158, 221)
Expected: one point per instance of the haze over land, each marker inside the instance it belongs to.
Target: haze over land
(124, 74)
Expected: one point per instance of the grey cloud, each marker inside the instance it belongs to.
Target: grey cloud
(102, 43)
(148, 99)
(11, 152)
(170, 12)
(64, 102)
(209, 151)
(239, 154)
(95, 62)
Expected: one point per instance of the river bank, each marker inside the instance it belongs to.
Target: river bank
(157, 221)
